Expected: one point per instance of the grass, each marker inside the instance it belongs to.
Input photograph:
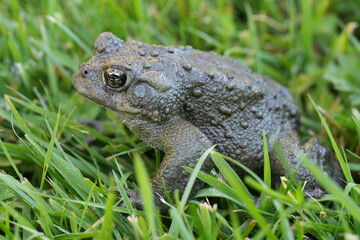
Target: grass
(56, 173)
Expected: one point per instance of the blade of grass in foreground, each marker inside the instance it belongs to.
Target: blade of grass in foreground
(343, 163)
(49, 151)
(11, 161)
(332, 187)
(50, 114)
(16, 113)
(267, 170)
(44, 209)
(250, 205)
(124, 196)
(229, 174)
(192, 178)
(177, 220)
(146, 193)
(107, 226)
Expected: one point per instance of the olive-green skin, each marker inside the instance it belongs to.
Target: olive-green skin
(183, 101)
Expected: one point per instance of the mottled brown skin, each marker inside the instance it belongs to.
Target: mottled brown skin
(182, 101)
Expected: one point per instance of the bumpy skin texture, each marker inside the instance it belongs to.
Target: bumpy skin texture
(182, 101)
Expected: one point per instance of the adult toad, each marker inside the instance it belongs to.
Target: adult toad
(182, 101)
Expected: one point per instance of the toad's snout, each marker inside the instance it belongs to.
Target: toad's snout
(81, 79)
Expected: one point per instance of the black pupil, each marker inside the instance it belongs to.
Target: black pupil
(116, 78)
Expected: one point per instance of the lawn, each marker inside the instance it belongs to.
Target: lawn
(58, 174)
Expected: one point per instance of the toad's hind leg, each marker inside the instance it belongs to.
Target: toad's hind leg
(290, 146)
(326, 160)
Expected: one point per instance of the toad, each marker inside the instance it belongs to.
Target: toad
(183, 101)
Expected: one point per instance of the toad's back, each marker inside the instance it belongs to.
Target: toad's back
(232, 106)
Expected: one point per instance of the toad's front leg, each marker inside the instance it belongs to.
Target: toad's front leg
(183, 144)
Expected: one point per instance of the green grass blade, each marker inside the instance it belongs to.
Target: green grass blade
(142, 178)
(254, 36)
(268, 191)
(71, 34)
(18, 189)
(284, 224)
(344, 166)
(44, 209)
(70, 236)
(50, 149)
(228, 173)
(16, 113)
(192, 178)
(43, 112)
(107, 226)
(11, 161)
(329, 184)
(267, 170)
(220, 186)
(124, 196)
(181, 226)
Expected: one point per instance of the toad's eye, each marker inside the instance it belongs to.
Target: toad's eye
(116, 79)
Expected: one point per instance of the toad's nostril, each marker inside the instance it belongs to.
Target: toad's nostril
(86, 72)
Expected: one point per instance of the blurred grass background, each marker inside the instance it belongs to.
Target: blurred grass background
(310, 46)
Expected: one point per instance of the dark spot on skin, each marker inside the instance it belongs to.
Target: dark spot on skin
(242, 106)
(154, 53)
(141, 52)
(225, 110)
(211, 75)
(213, 89)
(259, 115)
(228, 135)
(197, 92)
(156, 114)
(187, 66)
(293, 113)
(230, 76)
(230, 85)
(188, 85)
(171, 50)
(147, 65)
(214, 123)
